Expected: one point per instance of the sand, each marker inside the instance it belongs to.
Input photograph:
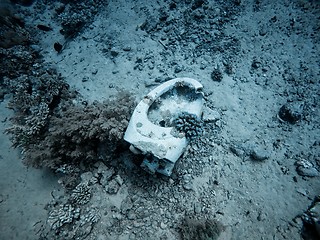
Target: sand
(272, 52)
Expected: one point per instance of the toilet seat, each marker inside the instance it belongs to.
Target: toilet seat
(151, 139)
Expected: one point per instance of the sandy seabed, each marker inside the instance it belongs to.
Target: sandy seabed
(243, 174)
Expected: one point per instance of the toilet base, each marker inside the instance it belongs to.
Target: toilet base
(152, 130)
(153, 164)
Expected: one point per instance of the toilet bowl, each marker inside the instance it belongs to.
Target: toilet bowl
(151, 130)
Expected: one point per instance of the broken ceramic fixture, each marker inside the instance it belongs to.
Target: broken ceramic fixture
(151, 130)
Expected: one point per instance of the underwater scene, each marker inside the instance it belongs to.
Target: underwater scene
(159, 119)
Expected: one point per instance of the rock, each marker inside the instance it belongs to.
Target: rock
(259, 154)
(291, 112)
(119, 180)
(306, 168)
(163, 225)
(86, 176)
(187, 184)
(126, 48)
(237, 150)
(197, 208)
(106, 176)
(113, 187)
(210, 115)
(114, 52)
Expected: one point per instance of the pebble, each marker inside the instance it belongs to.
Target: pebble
(259, 154)
(306, 168)
(291, 112)
(163, 225)
(210, 115)
(114, 52)
(197, 208)
(126, 48)
(237, 150)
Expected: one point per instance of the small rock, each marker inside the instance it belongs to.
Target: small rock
(291, 112)
(106, 176)
(187, 186)
(259, 154)
(261, 216)
(126, 48)
(85, 79)
(307, 172)
(113, 187)
(114, 52)
(163, 225)
(86, 176)
(177, 69)
(237, 150)
(210, 115)
(119, 180)
(197, 208)
(263, 30)
(306, 168)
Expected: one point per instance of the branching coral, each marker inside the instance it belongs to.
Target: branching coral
(61, 215)
(189, 124)
(34, 98)
(81, 194)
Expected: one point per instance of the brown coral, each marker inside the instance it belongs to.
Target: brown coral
(75, 132)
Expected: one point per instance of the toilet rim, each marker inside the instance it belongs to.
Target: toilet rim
(140, 114)
(168, 85)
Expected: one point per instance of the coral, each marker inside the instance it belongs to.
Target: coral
(189, 124)
(12, 31)
(86, 222)
(81, 194)
(76, 15)
(34, 98)
(75, 133)
(61, 215)
(216, 75)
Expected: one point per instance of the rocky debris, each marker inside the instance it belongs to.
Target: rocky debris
(81, 194)
(61, 215)
(193, 22)
(106, 175)
(291, 112)
(306, 168)
(113, 186)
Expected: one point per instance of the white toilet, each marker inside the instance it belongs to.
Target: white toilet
(151, 131)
